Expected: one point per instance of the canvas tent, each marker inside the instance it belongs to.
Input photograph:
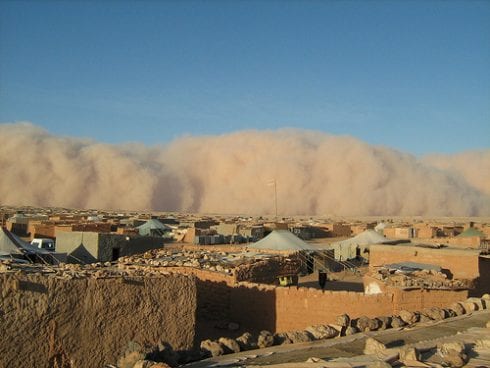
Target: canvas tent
(9, 243)
(314, 257)
(12, 245)
(379, 228)
(282, 240)
(153, 227)
(471, 231)
(355, 246)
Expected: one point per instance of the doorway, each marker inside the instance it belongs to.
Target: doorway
(115, 254)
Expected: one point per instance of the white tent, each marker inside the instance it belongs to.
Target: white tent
(282, 240)
(366, 237)
(380, 227)
(347, 249)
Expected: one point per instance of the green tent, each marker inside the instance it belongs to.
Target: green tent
(471, 231)
(153, 227)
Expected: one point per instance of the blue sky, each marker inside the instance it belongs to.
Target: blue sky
(413, 75)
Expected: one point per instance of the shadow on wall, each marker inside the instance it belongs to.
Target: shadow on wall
(336, 285)
(483, 281)
(218, 304)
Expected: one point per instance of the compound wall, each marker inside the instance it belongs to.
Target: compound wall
(463, 264)
(258, 306)
(418, 299)
(55, 322)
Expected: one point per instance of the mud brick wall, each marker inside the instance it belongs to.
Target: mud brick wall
(89, 322)
(267, 271)
(418, 299)
(97, 227)
(213, 292)
(278, 309)
(259, 306)
(213, 300)
(483, 284)
(254, 306)
(298, 308)
(43, 231)
(463, 264)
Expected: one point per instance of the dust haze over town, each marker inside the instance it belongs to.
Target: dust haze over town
(316, 174)
(245, 184)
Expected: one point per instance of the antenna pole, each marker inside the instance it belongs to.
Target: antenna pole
(275, 196)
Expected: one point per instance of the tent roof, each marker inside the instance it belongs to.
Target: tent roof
(8, 243)
(471, 231)
(153, 224)
(12, 244)
(366, 237)
(282, 240)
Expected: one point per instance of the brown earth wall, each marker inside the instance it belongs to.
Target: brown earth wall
(231, 248)
(43, 231)
(213, 292)
(258, 306)
(254, 306)
(426, 232)
(465, 242)
(97, 227)
(298, 308)
(418, 299)
(47, 321)
(483, 284)
(462, 264)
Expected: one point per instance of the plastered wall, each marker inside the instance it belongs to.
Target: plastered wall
(418, 299)
(463, 264)
(49, 321)
(278, 309)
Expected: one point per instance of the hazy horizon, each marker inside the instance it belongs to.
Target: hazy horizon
(316, 174)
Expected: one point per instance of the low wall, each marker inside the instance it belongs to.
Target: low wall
(47, 321)
(259, 306)
(298, 308)
(483, 284)
(278, 309)
(254, 306)
(418, 299)
(463, 264)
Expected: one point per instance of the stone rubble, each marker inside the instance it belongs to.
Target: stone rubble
(424, 279)
(161, 261)
(154, 263)
(453, 354)
(265, 339)
(230, 345)
(346, 326)
(211, 348)
(374, 346)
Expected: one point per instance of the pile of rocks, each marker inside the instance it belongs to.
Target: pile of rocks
(426, 279)
(264, 339)
(453, 351)
(344, 326)
(70, 271)
(227, 263)
(212, 261)
(407, 318)
(243, 266)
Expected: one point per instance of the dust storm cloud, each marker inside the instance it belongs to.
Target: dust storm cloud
(316, 174)
(473, 166)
